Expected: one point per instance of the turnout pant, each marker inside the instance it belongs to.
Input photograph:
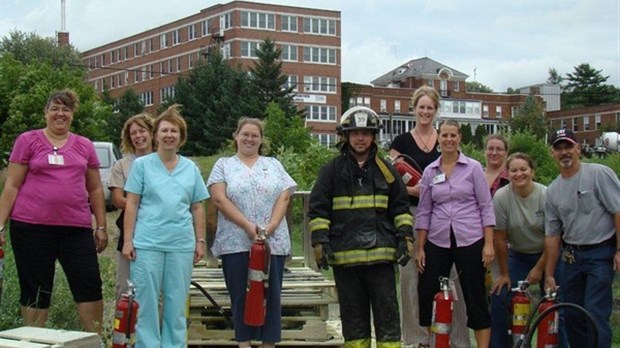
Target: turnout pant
(360, 289)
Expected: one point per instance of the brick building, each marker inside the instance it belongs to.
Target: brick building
(150, 62)
(390, 96)
(588, 123)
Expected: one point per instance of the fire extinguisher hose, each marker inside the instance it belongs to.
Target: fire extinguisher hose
(411, 162)
(212, 300)
(526, 340)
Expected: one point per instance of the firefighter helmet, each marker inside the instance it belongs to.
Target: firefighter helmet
(359, 117)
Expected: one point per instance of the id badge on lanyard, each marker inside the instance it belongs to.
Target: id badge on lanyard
(55, 159)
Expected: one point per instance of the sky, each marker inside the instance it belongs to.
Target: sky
(499, 43)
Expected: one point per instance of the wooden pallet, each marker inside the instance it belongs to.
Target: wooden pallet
(306, 296)
(36, 337)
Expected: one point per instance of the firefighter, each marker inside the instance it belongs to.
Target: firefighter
(361, 225)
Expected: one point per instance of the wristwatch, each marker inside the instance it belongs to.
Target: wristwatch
(201, 240)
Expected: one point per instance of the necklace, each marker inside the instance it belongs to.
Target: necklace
(424, 143)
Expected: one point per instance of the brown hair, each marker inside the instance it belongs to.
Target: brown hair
(428, 92)
(450, 122)
(249, 120)
(172, 115)
(520, 155)
(144, 120)
(66, 97)
(496, 137)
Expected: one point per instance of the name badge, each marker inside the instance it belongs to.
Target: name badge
(439, 178)
(56, 160)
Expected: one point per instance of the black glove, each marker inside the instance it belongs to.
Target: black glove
(402, 255)
(321, 252)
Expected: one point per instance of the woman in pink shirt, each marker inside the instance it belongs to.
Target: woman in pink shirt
(52, 174)
(455, 222)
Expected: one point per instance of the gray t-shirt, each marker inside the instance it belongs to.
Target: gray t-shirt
(523, 219)
(583, 206)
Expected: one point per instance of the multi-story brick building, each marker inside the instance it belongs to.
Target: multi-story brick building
(588, 123)
(150, 62)
(390, 96)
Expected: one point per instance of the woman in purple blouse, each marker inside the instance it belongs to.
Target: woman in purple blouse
(455, 222)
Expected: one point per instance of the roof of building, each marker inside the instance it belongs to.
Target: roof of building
(420, 67)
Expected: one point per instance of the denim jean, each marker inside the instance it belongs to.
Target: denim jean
(588, 283)
(519, 265)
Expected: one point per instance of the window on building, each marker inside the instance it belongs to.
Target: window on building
(147, 98)
(291, 81)
(431, 83)
(126, 78)
(320, 55)
(289, 23)
(161, 69)
(191, 58)
(617, 118)
(153, 71)
(457, 87)
(225, 51)
(176, 39)
(150, 46)
(325, 113)
(485, 111)
(248, 49)
(226, 21)
(325, 139)
(563, 123)
(136, 49)
(319, 84)
(171, 65)
(167, 93)
(258, 20)
(191, 32)
(443, 88)
(396, 106)
(205, 27)
(597, 121)
(163, 41)
(143, 73)
(382, 105)
(112, 57)
(320, 26)
(498, 111)
(125, 49)
(586, 123)
(289, 53)
(148, 74)
(136, 76)
(575, 124)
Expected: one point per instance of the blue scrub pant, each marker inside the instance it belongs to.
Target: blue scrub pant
(168, 273)
(588, 282)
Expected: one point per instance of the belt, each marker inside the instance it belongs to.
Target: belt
(609, 242)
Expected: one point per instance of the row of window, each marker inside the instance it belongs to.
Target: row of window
(257, 20)
(447, 107)
(322, 55)
(585, 122)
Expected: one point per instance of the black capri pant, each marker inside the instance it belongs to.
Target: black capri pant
(471, 270)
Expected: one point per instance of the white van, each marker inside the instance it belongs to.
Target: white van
(108, 154)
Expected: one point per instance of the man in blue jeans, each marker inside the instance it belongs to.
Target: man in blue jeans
(582, 222)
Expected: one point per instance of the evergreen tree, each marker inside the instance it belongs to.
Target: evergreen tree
(466, 136)
(213, 98)
(585, 87)
(477, 87)
(479, 135)
(554, 77)
(269, 80)
(530, 119)
(125, 106)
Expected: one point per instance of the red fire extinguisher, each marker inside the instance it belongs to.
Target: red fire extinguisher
(258, 281)
(408, 169)
(548, 336)
(521, 309)
(442, 314)
(125, 318)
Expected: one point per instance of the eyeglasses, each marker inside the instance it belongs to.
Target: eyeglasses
(495, 149)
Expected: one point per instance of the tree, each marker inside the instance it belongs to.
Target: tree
(511, 90)
(24, 89)
(285, 133)
(27, 48)
(554, 77)
(125, 106)
(530, 119)
(475, 86)
(479, 135)
(466, 136)
(585, 87)
(347, 91)
(214, 97)
(269, 80)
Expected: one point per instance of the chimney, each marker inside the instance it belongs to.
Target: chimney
(63, 34)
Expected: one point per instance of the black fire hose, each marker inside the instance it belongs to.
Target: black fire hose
(215, 304)
(527, 338)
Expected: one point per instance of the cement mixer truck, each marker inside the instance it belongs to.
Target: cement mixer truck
(608, 142)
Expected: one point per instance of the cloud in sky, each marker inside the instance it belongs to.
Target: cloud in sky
(509, 43)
